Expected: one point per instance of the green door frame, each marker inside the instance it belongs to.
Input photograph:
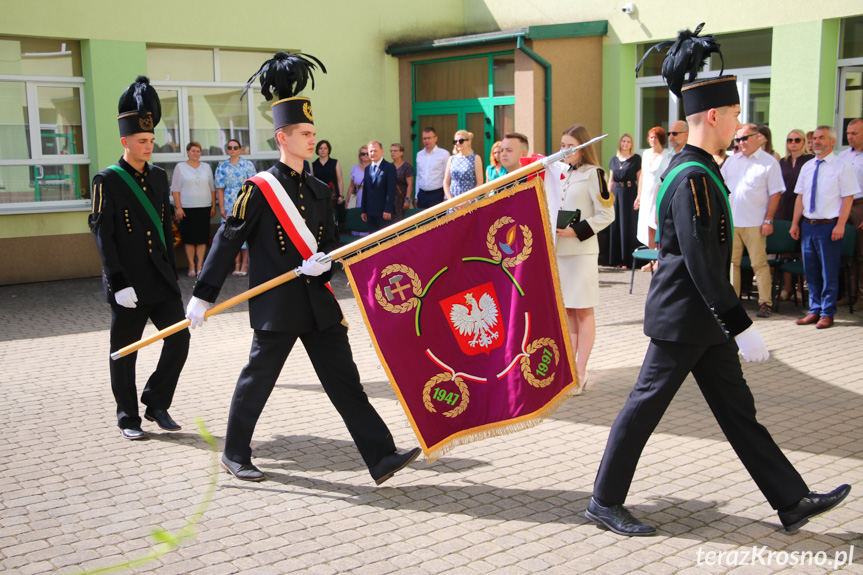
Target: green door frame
(460, 108)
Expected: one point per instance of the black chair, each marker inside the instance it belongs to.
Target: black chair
(778, 243)
(354, 226)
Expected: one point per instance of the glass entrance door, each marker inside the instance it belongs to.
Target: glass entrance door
(447, 121)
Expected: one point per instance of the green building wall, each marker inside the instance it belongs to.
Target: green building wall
(358, 99)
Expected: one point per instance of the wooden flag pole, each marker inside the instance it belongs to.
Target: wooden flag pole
(359, 244)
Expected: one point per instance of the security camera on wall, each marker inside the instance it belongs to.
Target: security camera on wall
(628, 8)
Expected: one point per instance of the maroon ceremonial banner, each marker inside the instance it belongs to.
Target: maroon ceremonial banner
(467, 319)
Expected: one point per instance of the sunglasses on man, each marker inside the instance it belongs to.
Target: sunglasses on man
(744, 138)
(675, 133)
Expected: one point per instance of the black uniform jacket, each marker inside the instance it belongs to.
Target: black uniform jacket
(128, 241)
(300, 305)
(691, 299)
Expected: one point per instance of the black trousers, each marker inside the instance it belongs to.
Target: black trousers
(720, 378)
(127, 327)
(428, 198)
(330, 353)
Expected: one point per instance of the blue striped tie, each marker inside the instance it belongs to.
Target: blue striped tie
(814, 188)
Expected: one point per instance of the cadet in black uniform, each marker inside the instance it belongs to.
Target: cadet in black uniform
(304, 308)
(692, 315)
(131, 220)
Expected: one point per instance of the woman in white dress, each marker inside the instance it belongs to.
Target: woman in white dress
(648, 184)
(583, 188)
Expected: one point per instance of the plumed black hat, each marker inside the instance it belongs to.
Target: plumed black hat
(687, 56)
(140, 109)
(282, 78)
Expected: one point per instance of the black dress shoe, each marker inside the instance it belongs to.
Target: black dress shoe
(162, 419)
(244, 471)
(618, 519)
(133, 433)
(390, 464)
(812, 505)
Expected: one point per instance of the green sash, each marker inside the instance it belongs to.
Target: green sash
(143, 199)
(669, 180)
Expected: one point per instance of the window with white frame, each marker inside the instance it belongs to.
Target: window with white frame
(850, 75)
(43, 151)
(745, 55)
(200, 92)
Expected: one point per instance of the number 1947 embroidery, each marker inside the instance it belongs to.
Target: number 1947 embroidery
(442, 395)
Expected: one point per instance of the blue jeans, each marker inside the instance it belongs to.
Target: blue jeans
(821, 258)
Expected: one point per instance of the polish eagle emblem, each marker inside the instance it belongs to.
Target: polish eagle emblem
(477, 321)
(474, 317)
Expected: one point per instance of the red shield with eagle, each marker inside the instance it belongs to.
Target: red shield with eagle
(474, 317)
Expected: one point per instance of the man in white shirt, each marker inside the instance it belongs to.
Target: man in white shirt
(678, 135)
(825, 189)
(854, 156)
(431, 166)
(754, 179)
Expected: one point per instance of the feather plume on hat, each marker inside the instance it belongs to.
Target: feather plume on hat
(141, 97)
(285, 75)
(686, 55)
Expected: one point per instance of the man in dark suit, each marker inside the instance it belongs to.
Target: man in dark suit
(379, 189)
(286, 214)
(131, 222)
(695, 319)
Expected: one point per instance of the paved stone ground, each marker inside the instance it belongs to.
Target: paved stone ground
(74, 495)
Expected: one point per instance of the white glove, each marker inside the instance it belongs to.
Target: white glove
(195, 311)
(126, 297)
(312, 267)
(752, 345)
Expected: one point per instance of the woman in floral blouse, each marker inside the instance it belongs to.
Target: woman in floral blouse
(230, 176)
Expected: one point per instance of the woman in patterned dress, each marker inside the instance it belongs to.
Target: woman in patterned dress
(404, 180)
(463, 168)
(230, 176)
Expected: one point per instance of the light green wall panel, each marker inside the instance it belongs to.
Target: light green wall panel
(618, 95)
(50, 224)
(803, 77)
(794, 101)
(109, 66)
(827, 78)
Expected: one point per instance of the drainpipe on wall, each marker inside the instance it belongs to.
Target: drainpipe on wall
(544, 63)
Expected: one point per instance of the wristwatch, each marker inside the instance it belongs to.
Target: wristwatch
(768, 222)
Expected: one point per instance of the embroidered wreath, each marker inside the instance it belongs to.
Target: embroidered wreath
(462, 387)
(525, 361)
(416, 287)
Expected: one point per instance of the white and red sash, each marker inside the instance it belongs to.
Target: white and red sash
(287, 214)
